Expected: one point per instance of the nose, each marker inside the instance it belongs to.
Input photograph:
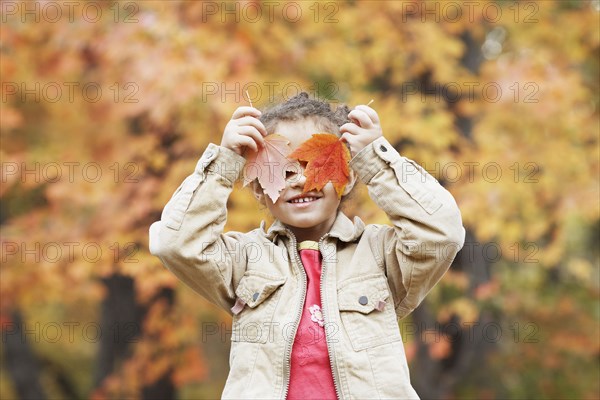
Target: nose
(297, 179)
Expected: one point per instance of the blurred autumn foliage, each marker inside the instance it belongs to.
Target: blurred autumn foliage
(106, 107)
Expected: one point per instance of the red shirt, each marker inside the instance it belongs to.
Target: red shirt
(310, 375)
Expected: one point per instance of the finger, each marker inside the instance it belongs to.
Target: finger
(349, 139)
(246, 111)
(253, 133)
(362, 117)
(351, 128)
(370, 112)
(252, 121)
(248, 142)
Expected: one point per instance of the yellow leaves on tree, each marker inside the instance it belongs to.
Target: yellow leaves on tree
(164, 90)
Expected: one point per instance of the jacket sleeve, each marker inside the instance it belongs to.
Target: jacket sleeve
(189, 238)
(426, 232)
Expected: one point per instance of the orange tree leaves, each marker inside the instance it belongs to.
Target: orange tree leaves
(160, 115)
(328, 160)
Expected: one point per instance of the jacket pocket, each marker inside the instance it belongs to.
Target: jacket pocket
(257, 297)
(367, 311)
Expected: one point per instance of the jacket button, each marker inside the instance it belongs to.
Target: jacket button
(255, 296)
(382, 148)
(363, 300)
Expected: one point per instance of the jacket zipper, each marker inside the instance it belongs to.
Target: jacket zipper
(329, 352)
(288, 353)
(290, 341)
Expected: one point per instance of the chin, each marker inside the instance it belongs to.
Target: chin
(301, 223)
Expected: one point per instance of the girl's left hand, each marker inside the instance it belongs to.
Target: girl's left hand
(363, 129)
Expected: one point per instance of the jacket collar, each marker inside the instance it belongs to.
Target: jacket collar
(343, 228)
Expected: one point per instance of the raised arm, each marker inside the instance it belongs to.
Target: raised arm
(426, 232)
(189, 238)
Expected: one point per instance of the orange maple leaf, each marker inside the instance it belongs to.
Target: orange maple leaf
(328, 160)
(269, 164)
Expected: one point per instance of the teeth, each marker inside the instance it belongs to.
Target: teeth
(304, 200)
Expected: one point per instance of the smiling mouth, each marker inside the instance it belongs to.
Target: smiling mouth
(303, 200)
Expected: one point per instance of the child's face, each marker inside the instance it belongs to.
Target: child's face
(309, 220)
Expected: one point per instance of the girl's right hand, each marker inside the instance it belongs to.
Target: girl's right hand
(244, 130)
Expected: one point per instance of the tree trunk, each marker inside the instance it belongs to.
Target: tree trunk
(436, 379)
(19, 360)
(120, 325)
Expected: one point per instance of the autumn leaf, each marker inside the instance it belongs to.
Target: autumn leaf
(269, 165)
(440, 348)
(194, 367)
(328, 160)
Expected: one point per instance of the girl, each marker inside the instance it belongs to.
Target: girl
(316, 297)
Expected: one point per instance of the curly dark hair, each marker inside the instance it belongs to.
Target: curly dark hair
(302, 106)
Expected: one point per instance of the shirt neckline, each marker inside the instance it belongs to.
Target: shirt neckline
(308, 244)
